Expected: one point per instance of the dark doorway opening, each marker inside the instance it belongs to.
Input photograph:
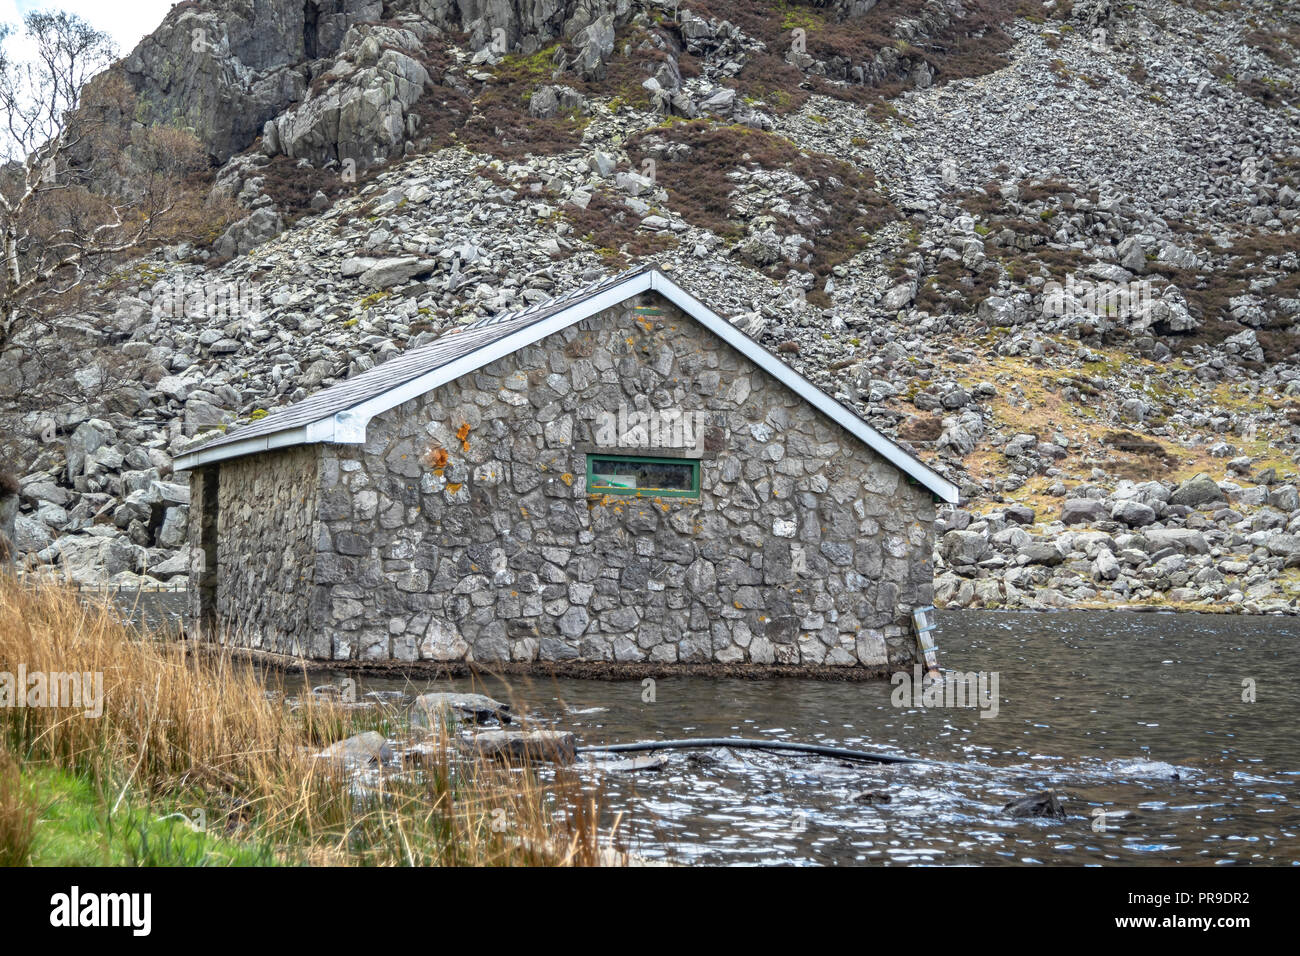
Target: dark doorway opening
(209, 575)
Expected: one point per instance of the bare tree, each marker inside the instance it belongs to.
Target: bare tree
(64, 214)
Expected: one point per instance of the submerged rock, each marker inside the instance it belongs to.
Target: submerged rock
(1148, 768)
(428, 709)
(1036, 805)
(635, 764)
(535, 746)
(363, 750)
(870, 796)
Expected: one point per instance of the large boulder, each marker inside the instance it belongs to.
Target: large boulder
(595, 45)
(963, 547)
(398, 270)
(364, 114)
(1197, 491)
(1041, 552)
(249, 233)
(85, 440)
(31, 535)
(1185, 540)
(1083, 511)
(94, 559)
(1133, 513)
(363, 750)
(1285, 546)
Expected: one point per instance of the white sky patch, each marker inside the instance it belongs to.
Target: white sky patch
(126, 21)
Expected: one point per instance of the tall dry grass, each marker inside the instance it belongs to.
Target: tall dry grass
(17, 815)
(196, 727)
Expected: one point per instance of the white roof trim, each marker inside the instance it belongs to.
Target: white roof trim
(349, 427)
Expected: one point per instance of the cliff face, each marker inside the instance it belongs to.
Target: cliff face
(1052, 246)
(227, 67)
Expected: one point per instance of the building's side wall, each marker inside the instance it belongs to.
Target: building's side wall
(203, 537)
(462, 529)
(266, 544)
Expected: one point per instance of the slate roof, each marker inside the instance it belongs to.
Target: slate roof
(341, 412)
(410, 365)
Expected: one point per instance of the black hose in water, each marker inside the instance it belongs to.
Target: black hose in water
(742, 743)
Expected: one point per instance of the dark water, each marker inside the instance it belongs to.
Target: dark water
(1103, 708)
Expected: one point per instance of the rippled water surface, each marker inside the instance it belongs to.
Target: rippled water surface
(1103, 708)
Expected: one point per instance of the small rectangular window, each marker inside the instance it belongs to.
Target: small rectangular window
(652, 477)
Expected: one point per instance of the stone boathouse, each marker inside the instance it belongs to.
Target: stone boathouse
(618, 476)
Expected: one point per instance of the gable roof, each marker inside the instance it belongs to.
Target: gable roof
(341, 412)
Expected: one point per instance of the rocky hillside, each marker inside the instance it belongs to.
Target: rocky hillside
(1052, 247)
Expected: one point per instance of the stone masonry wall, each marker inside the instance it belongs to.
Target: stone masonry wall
(462, 528)
(267, 530)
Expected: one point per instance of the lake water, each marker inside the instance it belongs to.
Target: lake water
(1141, 724)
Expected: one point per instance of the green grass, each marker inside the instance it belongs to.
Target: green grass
(77, 827)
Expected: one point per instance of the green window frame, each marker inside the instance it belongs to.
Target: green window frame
(596, 487)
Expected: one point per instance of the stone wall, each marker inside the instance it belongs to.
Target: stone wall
(8, 520)
(267, 530)
(462, 529)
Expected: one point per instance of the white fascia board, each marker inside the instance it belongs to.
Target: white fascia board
(249, 446)
(805, 389)
(350, 425)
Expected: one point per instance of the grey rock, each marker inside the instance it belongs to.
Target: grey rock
(1133, 513)
(963, 547)
(366, 749)
(1083, 511)
(535, 746)
(1197, 491)
(396, 271)
(429, 710)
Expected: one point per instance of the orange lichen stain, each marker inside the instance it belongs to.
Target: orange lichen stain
(463, 434)
(453, 487)
(567, 479)
(436, 458)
